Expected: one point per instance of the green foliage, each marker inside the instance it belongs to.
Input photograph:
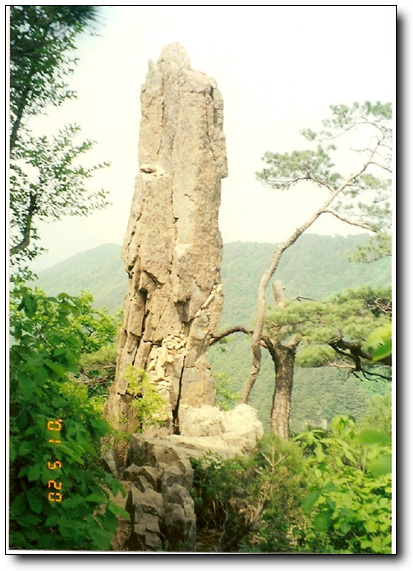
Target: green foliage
(225, 396)
(48, 336)
(46, 179)
(251, 503)
(315, 267)
(88, 329)
(348, 315)
(336, 331)
(351, 157)
(349, 499)
(42, 40)
(325, 492)
(318, 394)
(221, 498)
(287, 169)
(380, 340)
(377, 248)
(147, 401)
(379, 414)
(280, 486)
(317, 356)
(96, 374)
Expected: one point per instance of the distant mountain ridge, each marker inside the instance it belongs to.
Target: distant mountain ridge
(316, 266)
(99, 271)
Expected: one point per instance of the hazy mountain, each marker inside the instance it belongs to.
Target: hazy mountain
(100, 271)
(316, 266)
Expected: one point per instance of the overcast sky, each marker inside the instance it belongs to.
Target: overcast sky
(278, 69)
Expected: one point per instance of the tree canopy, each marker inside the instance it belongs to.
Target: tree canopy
(350, 162)
(46, 179)
(335, 332)
(60, 496)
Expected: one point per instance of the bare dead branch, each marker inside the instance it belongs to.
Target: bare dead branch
(230, 331)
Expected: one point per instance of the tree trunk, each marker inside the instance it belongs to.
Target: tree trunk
(284, 358)
(262, 302)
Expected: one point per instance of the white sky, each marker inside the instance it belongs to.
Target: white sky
(278, 69)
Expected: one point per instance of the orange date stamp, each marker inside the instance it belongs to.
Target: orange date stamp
(55, 496)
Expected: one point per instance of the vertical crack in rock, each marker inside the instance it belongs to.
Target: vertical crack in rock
(175, 411)
(173, 248)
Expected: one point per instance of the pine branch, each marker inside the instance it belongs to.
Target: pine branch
(360, 224)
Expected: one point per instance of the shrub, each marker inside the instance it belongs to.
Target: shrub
(97, 373)
(59, 494)
(146, 400)
(252, 502)
(349, 502)
(226, 398)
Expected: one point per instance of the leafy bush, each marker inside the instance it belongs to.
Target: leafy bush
(280, 487)
(327, 492)
(59, 494)
(222, 500)
(349, 502)
(379, 414)
(226, 398)
(97, 373)
(252, 503)
(147, 402)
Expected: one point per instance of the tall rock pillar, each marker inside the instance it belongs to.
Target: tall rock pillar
(172, 249)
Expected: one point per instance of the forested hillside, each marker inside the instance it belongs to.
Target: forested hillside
(315, 267)
(99, 271)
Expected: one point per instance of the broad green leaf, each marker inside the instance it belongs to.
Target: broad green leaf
(117, 510)
(33, 472)
(53, 520)
(379, 335)
(26, 447)
(345, 526)
(19, 505)
(101, 539)
(331, 487)
(73, 502)
(56, 368)
(383, 351)
(380, 465)
(35, 499)
(322, 521)
(95, 498)
(310, 499)
(72, 453)
(371, 526)
(29, 304)
(371, 436)
(27, 387)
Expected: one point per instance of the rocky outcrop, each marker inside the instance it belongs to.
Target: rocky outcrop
(172, 249)
(158, 476)
(159, 501)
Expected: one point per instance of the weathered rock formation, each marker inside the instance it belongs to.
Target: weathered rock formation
(158, 476)
(172, 248)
